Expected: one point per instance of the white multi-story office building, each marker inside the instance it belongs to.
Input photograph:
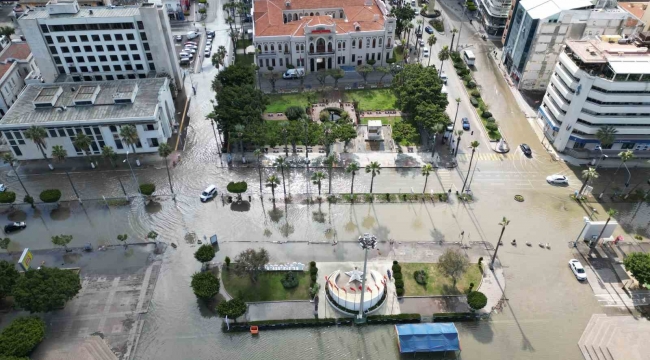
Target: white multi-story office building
(599, 83)
(322, 34)
(16, 66)
(494, 14)
(101, 43)
(538, 29)
(97, 109)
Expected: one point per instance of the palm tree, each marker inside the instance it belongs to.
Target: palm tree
(284, 129)
(352, 168)
(239, 129)
(129, 135)
(606, 136)
(82, 141)
(474, 145)
(258, 155)
(426, 170)
(316, 178)
(436, 129)
(59, 154)
(503, 224)
(164, 151)
(272, 182)
(37, 135)
(432, 40)
(610, 213)
(625, 156)
(453, 34)
(9, 159)
(442, 56)
(375, 169)
(459, 133)
(588, 174)
(109, 153)
(330, 161)
(281, 163)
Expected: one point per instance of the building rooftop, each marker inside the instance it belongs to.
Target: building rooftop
(4, 68)
(17, 51)
(541, 9)
(61, 101)
(97, 12)
(269, 21)
(597, 51)
(637, 9)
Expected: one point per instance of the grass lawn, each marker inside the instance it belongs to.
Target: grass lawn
(244, 43)
(280, 103)
(373, 99)
(389, 120)
(245, 58)
(267, 288)
(398, 53)
(438, 284)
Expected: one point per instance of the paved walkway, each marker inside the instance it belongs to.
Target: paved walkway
(280, 310)
(426, 306)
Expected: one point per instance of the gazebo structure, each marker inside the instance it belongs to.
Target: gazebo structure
(374, 131)
(347, 295)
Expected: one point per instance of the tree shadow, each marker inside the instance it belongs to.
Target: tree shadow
(242, 206)
(17, 215)
(153, 207)
(60, 213)
(276, 214)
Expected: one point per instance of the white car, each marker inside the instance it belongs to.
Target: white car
(190, 50)
(206, 53)
(192, 34)
(3, 188)
(421, 43)
(208, 43)
(578, 270)
(557, 179)
(425, 52)
(209, 193)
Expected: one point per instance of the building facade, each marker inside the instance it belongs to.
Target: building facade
(71, 43)
(494, 14)
(513, 5)
(16, 66)
(639, 10)
(539, 28)
(597, 83)
(322, 35)
(97, 109)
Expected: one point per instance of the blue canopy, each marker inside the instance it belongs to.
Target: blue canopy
(430, 337)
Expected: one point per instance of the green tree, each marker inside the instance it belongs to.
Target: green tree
(476, 300)
(375, 169)
(317, 178)
(638, 264)
(294, 113)
(7, 31)
(336, 74)
(605, 135)
(129, 135)
(473, 145)
(321, 76)
(281, 163)
(426, 171)
(9, 159)
(504, 223)
(404, 15)
(219, 57)
(45, 289)
(22, 336)
(204, 254)
(8, 277)
(459, 133)
(588, 175)
(258, 155)
(364, 71)
(238, 105)
(164, 151)
(4, 243)
(83, 141)
(109, 153)
(625, 156)
(404, 133)
(205, 285)
(37, 135)
(62, 240)
(239, 132)
(251, 262)
(383, 70)
(432, 40)
(59, 153)
(272, 77)
(352, 168)
(235, 75)
(232, 309)
(453, 263)
(122, 238)
(330, 161)
(345, 132)
(443, 55)
(416, 85)
(272, 182)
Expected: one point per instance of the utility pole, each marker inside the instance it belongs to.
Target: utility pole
(367, 241)
(503, 224)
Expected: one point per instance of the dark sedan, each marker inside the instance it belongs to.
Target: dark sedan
(15, 226)
(429, 30)
(526, 149)
(465, 124)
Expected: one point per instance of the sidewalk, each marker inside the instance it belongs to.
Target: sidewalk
(82, 164)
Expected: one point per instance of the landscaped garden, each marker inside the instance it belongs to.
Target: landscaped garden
(373, 99)
(385, 120)
(268, 286)
(437, 283)
(245, 58)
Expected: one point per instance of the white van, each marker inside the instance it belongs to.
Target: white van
(443, 77)
(469, 57)
(294, 73)
(192, 34)
(444, 90)
(209, 193)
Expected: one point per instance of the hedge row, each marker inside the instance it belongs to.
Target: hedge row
(452, 317)
(299, 323)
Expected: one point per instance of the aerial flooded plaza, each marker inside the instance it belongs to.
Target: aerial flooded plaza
(307, 183)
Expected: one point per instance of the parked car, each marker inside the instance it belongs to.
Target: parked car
(578, 270)
(557, 179)
(210, 33)
(3, 188)
(526, 149)
(206, 53)
(192, 34)
(190, 43)
(185, 54)
(178, 37)
(193, 46)
(425, 52)
(421, 43)
(15, 226)
(185, 61)
(209, 193)
(294, 73)
(190, 50)
(429, 30)
(444, 77)
(208, 43)
(465, 122)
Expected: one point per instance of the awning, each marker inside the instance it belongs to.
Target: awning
(430, 337)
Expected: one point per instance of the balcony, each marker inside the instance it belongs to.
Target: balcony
(561, 87)
(600, 120)
(557, 114)
(560, 102)
(600, 108)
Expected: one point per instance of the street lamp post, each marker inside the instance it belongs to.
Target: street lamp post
(367, 241)
(132, 173)
(455, 118)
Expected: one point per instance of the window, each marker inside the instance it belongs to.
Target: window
(83, 69)
(88, 78)
(281, 62)
(83, 38)
(140, 25)
(95, 68)
(114, 58)
(102, 58)
(142, 76)
(143, 36)
(64, 49)
(110, 78)
(110, 47)
(146, 46)
(149, 57)
(68, 59)
(48, 39)
(80, 59)
(76, 49)
(152, 67)
(353, 57)
(125, 57)
(627, 146)
(150, 127)
(91, 59)
(93, 27)
(117, 67)
(131, 76)
(60, 39)
(133, 46)
(44, 29)
(118, 142)
(153, 142)
(88, 48)
(60, 69)
(119, 37)
(128, 67)
(53, 50)
(72, 38)
(95, 37)
(104, 26)
(52, 132)
(374, 43)
(112, 128)
(272, 62)
(107, 37)
(131, 37)
(136, 57)
(99, 48)
(16, 149)
(57, 60)
(106, 67)
(139, 67)
(121, 47)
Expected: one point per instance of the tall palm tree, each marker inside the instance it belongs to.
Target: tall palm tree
(588, 175)
(9, 159)
(258, 155)
(109, 153)
(316, 178)
(164, 151)
(239, 131)
(610, 214)
(474, 145)
(352, 168)
(375, 169)
(330, 161)
(272, 182)
(129, 135)
(453, 34)
(284, 129)
(59, 154)
(436, 129)
(503, 224)
(82, 141)
(37, 135)
(281, 163)
(458, 133)
(606, 135)
(625, 156)
(426, 171)
(442, 56)
(432, 40)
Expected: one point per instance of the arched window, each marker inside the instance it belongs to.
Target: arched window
(311, 14)
(272, 47)
(297, 48)
(374, 41)
(302, 47)
(311, 48)
(320, 45)
(286, 48)
(317, 14)
(341, 14)
(329, 47)
(380, 41)
(338, 46)
(259, 48)
(266, 48)
(388, 43)
(295, 17)
(360, 44)
(285, 18)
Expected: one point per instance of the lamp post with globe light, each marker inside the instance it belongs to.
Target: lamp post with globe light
(366, 241)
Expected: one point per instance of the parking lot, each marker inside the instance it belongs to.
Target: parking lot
(199, 52)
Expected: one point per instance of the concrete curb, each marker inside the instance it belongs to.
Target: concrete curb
(431, 296)
(275, 302)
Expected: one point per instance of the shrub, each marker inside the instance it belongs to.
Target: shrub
(205, 285)
(473, 101)
(399, 283)
(7, 197)
(395, 262)
(467, 78)
(147, 189)
(480, 260)
(471, 84)
(22, 336)
(313, 270)
(50, 195)
(397, 268)
(421, 277)
(237, 187)
(491, 119)
(491, 126)
(476, 300)
(486, 114)
(227, 261)
(313, 278)
(312, 264)
(28, 199)
(290, 280)
(399, 291)
(476, 93)
(205, 253)
(397, 275)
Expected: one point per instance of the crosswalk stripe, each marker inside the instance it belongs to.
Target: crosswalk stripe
(484, 157)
